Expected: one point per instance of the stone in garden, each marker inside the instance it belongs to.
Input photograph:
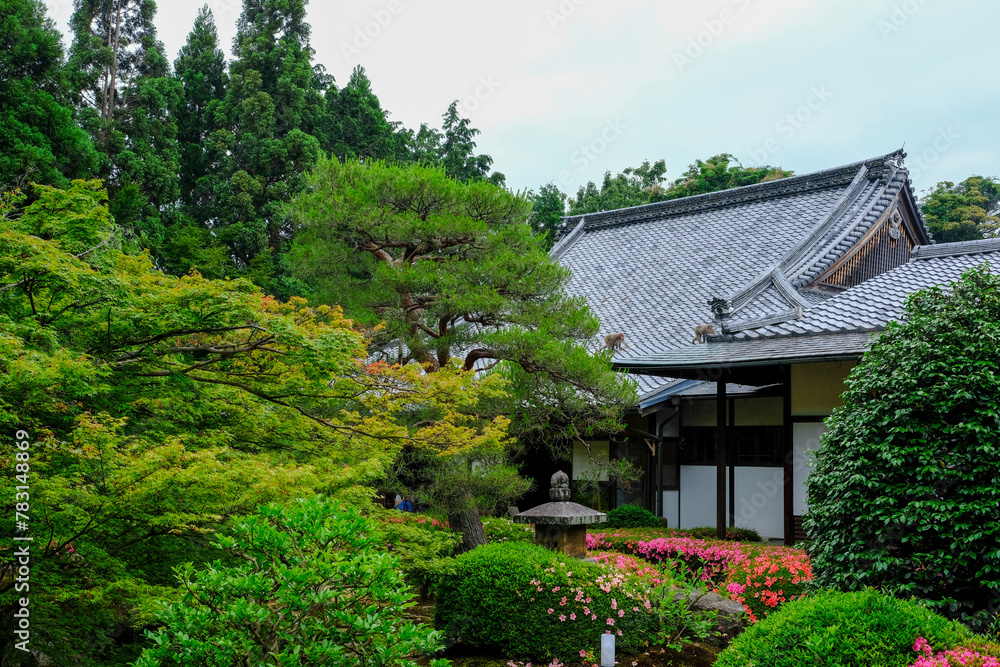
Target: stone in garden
(731, 620)
(561, 525)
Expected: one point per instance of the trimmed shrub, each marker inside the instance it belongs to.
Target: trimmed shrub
(733, 533)
(530, 603)
(904, 496)
(502, 529)
(631, 516)
(860, 629)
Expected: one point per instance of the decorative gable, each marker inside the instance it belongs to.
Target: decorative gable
(888, 244)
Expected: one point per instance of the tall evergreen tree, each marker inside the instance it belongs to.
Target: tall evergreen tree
(273, 110)
(458, 148)
(201, 69)
(39, 138)
(126, 95)
(358, 126)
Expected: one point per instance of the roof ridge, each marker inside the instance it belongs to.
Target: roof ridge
(975, 246)
(819, 180)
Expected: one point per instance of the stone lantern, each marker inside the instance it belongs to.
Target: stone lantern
(561, 525)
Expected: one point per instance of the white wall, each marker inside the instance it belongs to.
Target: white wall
(805, 440)
(760, 499)
(672, 508)
(585, 461)
(697, 496)
(760, 502)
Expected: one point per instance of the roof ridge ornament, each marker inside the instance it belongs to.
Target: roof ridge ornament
(721, 308)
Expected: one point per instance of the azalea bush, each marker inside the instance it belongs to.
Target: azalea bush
(760, 577)
(529, 603)
(862, 629)
(962, 656)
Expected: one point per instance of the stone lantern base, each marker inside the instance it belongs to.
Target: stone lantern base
(565, 539)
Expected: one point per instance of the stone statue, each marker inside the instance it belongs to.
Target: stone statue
(559, 486)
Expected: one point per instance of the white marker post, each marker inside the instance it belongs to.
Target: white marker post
(607, 650)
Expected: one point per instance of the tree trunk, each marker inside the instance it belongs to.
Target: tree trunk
(469, 524)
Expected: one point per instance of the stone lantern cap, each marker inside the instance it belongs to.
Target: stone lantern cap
(560, 512)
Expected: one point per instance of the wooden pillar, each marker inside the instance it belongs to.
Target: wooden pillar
(789, 454)
(720, 456)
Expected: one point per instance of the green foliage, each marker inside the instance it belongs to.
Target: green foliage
(733, 533)
(159, 407)
(673, 601)
(633, 187)
(530, 603)
(311, 586)
(963, 212)
(39, 138)
(423, 546)
(858, 629)
(904, 495)
(548, 208)
(720, 172)
(632, 516)
(640, 185)
(501, 529)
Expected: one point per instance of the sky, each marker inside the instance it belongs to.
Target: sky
(564, 90)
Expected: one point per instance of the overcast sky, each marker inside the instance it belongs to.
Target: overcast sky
(564, 90)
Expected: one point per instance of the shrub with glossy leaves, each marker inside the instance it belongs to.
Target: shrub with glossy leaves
(860, 629)
(312, 587)
(632, 516)
(530, 603)
(905, 496)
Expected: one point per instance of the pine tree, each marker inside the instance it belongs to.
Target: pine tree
(125, 95)
(39, 138)
(273, 110)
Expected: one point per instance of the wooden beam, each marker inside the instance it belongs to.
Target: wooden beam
(720, 456)
(789, 455)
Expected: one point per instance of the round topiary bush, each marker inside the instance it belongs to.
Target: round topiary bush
(530, 603)
(860, 629)
(630, 516)
(905, 496)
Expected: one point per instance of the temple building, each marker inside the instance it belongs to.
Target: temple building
(796, 276)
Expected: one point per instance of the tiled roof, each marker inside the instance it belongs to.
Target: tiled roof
(873, 303)
(743, 353)
(650, 271)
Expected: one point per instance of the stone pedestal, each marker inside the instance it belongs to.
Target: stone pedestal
(569, 540)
